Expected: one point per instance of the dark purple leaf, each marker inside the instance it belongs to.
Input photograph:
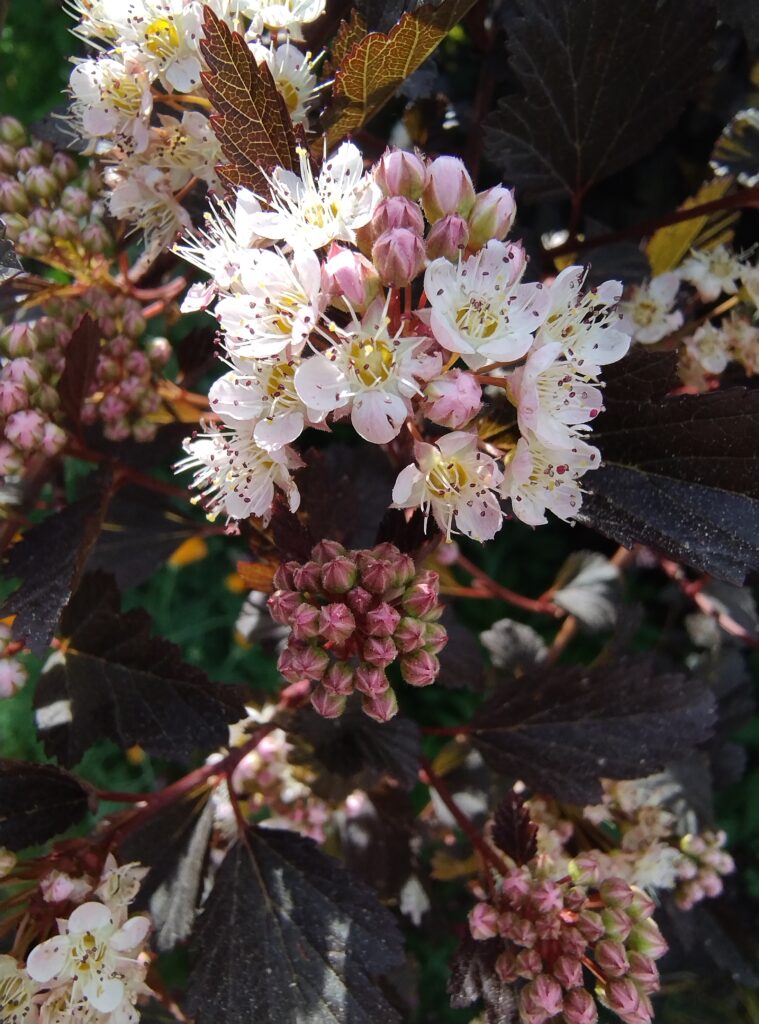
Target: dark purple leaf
(513, 831)
(473, 976)
(37, 802)
(79, 371)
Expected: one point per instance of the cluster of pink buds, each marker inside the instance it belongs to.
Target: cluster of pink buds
(704, 864)
(352, 614)
(49, 206)
(559, 934)
(13, 673)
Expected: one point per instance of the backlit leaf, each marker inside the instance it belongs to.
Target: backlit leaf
(288, 935)
(374, 68)
(251, 120)
(736, 152)
(668, 247)
(601, 82)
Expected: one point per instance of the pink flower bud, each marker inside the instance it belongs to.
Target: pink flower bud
(397, 212)
(617, 923)
(327, 703)
(622, 996)
(75, 201)
(53, 439)
(348, 277)
(615, 892)
(63, 225)
(643, 972)
(41, 183)
(370, 680)
(422, 597)
(547, 897)
(12, 677)
(399, 257)
(584, 870)
(339, 575)
(521, 931)
(307, 577)
(22, 371)
(96, 238)
(452, 399)
(339, 678)
(491, 216)
(376, 573)
(483, 922)
(64, 167)
(580, 1007)
(13, 397)
(336, 622)
(305, 621)
(419, 668)
(381, 707)
(505, 967)
(448, 189)
(711, 884)
(17, 340)
(543, 995)
(516, 888)
(590, 925)
(528, 963)
(13, 197)
(574, 897)
(283, 577)
(447, 239)
(549, 927)
(382, 620)
(301, 661)
(646, 938)
(12, 131)
(435, 637)
(568, 971)
(379, 651)
(159, 349)
(7, 158)
(34, 242)
(359, 600)
(25, 429)
(410, 634)
(642, 905)
(400, 174)
(611, 958)
(26, 158)
(404, 570)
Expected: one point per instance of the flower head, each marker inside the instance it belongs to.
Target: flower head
(648, 311)
(542, 478)
(712, 273)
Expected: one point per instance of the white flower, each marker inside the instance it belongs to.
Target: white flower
(286, 15)
(293, 75)
(712, 273)
(313, 213)
(119, 885)
(587, 326)
(185, 149)
(167, 34)
(743, 339)
(93, 952)
(541, 478)
(143, 195)
(263, 392)
(112, 97)
(367, 373)
(750, 281)
(553, 399)
(478, 307)
(57, 886)
(709, 346)
(454, 481)
(275, 306)
(238, 477)
(648, 313)
(17, 990)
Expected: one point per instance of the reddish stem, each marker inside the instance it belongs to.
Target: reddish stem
(529, 604)
(122, 472)
(694, 591)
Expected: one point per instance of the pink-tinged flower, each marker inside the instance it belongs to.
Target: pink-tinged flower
(420, 668)
(276, 305)
(540, 478)
(13, 676)
(235, 476)
(447, 238)
(370, 680)
(479, 309)
(112, 97)
(568, 971)
(587, 326)
(455, 482)
(368, 374)
(145, 198)
(611, 957)
(647, 312)
(94, 953)
(311, 213)
(542, 996)
(448, 189)
(580, 1007)
(25, 429)
(349, 280)
(712, 273)
(13, 397)
(17, 992)
(57, 886)
(483, 922)
(623, 997)
(399, 256)
(554, 400)
(328, 703)
(381, 707)
(492, 216)
(397, 212)
(293, 76)
(646, 938)
(399, 173)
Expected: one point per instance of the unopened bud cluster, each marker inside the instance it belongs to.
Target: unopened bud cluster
(50, 206)
(559, 936)
(353, 614)
(13, 673)
(705, 862)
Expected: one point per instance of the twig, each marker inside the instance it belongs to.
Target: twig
(529, 604)
(693, 589)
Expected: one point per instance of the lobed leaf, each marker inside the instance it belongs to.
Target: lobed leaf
(79, 371)
(113, 680)
(561, 729)
(374, 68)
(602, 81)
(680, 473)
(513, 831)
(251, 120)
(588, 587)
(37, 802)
(289, 935)
(473, 976)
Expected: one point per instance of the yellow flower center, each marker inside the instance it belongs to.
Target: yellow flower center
(162, 38)
(446, 477)
(290, 95)
(644, 313)
(372, 361)
(281, 381)
(477, 318)
(126, 95)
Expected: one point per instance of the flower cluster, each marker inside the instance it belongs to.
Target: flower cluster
(705, 862)
(308, 297)
(352, 614)
(140, 102)
(94, 969)
(13, 672)
(51, 208)
(552, 931)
